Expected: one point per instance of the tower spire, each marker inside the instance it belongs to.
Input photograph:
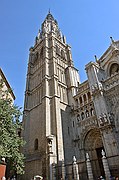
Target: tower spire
(49, 11)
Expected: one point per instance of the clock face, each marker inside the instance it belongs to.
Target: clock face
(114, 69)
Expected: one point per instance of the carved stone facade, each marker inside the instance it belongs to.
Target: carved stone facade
(64, 118)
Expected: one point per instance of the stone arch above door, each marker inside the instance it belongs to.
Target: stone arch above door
(93, 140)
(93, 145)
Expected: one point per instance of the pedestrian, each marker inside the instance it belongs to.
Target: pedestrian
(112, 178)
(3, 178)
(102, 178)
(116, 178)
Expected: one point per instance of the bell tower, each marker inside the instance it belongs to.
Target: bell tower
(52, 81)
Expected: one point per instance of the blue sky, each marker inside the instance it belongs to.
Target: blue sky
(87, 25)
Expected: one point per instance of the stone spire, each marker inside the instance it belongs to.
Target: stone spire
(50, 25)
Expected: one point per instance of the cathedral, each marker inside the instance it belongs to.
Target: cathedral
(71, 128)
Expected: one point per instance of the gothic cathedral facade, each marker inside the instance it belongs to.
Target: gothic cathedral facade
(66, 122)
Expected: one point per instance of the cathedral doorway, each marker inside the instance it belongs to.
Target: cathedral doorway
(93, 145)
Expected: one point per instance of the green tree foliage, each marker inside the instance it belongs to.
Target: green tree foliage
(10, 141)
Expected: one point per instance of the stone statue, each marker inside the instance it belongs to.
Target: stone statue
(39, 34)
(74, 159)
(101, 120)
(105, 117)
(93, 88)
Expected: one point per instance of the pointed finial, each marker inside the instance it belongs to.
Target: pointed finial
(49, 11)
(87, 156)
(96, 59)
(74, 159)
(103, 153)
(112, 40)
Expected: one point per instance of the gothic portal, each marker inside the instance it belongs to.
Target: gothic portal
(64, 119)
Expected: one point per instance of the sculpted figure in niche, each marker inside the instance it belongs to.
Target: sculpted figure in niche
(96, 86)
(72, 107)
(100, 86)
(114, 69)
(93, 88)
(50, 146)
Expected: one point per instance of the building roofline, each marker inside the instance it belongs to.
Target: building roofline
(7, 83)
(107, 50)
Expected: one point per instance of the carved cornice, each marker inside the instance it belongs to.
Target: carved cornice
(97, 89)
(111, 82)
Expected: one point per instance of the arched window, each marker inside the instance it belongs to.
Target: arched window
(62, 54)
(84, 97)
(77, 102)
(82, 115)
(57, 50)
(80, 100)
(114, 69)
(36, 144)
(92, 111)
(87, 113)
(89, 96)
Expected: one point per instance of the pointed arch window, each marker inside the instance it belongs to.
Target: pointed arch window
(80, 100)
(92, 111)
(36, 144)
(84, 98)
(89, 96)
(62, 54)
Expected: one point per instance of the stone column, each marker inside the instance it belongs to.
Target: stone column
(50, 156)
(63, 170)
(89, 168)
(106, 166)
(75, 169)
(53, 171)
